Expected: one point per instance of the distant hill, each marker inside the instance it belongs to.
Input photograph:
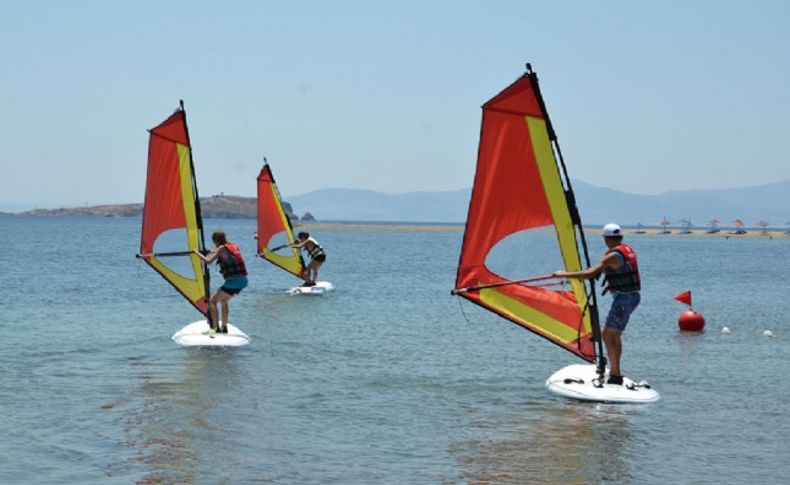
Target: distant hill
(769, 202)
(368, 205)
(111, 210)
(224, 206)
(597, 205)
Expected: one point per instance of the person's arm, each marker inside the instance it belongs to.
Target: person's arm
(212, 256)
(297, 245)
(591, 272)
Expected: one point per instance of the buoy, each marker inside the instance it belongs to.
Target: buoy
(691, 321)
(725, 330)
(768, 334)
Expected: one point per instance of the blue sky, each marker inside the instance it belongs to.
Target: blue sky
(645, 97)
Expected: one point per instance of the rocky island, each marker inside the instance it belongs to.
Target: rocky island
(221, 206)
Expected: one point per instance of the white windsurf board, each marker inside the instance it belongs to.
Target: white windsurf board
(320, 288)
(579, 381)
(195, 335)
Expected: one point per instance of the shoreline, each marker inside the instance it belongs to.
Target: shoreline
(725, 234)
(459, 228)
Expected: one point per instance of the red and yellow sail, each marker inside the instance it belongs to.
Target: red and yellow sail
(171, 203)
(272, 220)
(518, 187)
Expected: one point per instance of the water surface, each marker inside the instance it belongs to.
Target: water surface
(389, 379)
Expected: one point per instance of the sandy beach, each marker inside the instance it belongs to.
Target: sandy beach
(727, 234)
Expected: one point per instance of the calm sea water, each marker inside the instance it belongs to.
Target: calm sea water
(389, 379)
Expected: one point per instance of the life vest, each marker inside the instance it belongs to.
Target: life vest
(315, 250)
(626, 279)
(231, 263)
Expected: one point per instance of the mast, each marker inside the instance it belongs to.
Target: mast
(592, 299)
(196, 200)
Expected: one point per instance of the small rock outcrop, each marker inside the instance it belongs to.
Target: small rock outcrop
(289, 211)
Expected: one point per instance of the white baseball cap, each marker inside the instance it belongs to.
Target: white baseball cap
(611, 230)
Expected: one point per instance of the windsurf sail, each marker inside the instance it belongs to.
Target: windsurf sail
(275, 232)
(521, 186)
(171, 213)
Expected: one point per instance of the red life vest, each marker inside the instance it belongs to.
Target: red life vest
(231, 263)
(626, 279)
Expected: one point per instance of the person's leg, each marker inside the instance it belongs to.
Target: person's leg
(315, 270)
(616, 320)
(611, 337)
(311, 272)
(618, 349)
(223, 299)
(212, 310)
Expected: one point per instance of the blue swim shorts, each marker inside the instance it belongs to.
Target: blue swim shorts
(623, 306)
(234, 286)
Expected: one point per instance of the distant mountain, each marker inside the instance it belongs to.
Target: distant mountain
(597, 205)
(769, 202)
(368, 205)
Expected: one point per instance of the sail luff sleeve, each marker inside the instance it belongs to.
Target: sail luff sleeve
(561, 213)
(198, 221)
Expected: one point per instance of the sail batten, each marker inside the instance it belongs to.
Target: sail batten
(273, 222)
(519, 188)
(172, 205)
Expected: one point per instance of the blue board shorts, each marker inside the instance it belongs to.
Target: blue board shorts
(623, 306)
(234, 286)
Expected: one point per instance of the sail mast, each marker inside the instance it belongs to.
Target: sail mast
(576, 218)
(201, 239)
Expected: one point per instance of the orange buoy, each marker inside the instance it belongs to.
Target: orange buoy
(691, 321)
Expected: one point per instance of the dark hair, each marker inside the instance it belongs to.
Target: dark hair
(303, 235)
(618, 237)
(219, 237)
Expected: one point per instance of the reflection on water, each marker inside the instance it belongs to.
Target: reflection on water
(577, 443)
(168, 417)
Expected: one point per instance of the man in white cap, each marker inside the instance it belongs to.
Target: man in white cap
(621, 272)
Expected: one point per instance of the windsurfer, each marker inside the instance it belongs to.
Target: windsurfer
(231, 265)
(317, 256)
(621, 272)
